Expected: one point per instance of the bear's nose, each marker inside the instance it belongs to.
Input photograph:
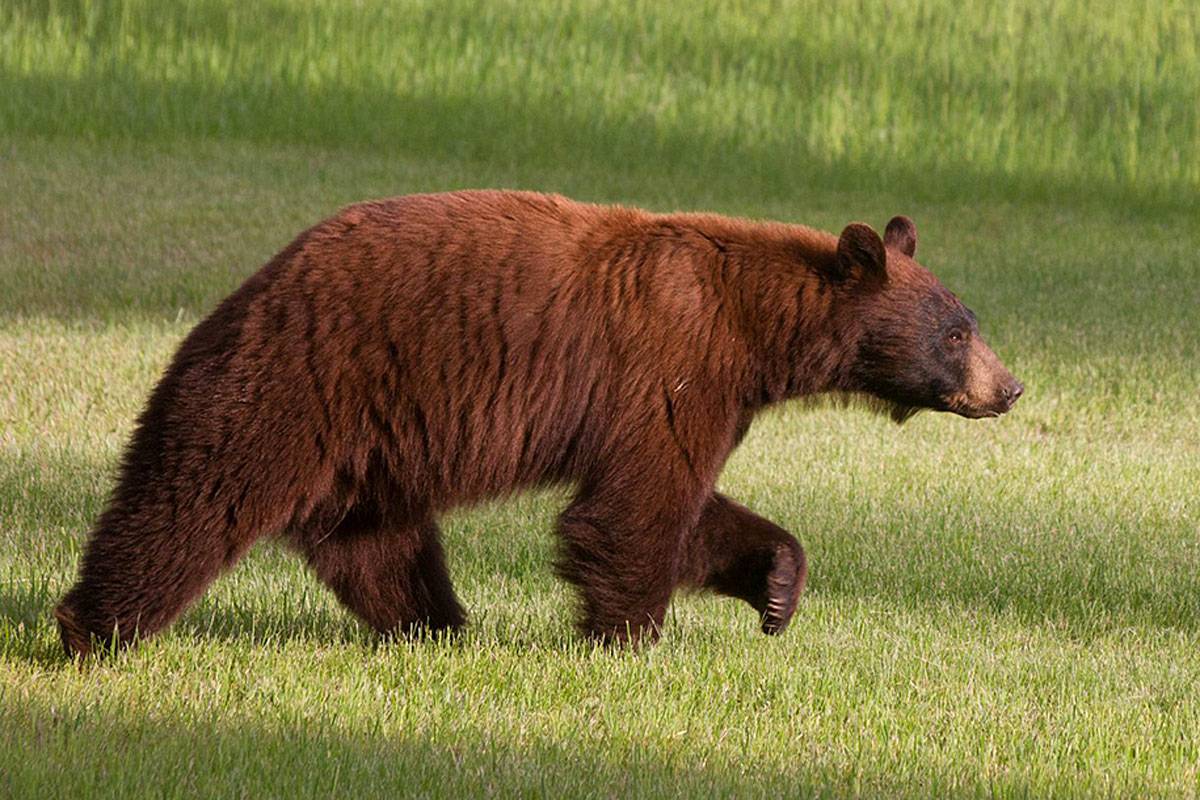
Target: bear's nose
(1013, 392)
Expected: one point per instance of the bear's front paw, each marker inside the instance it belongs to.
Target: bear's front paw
(785, 581)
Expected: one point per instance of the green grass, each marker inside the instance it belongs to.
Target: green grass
(1038, 96)
(1006, 608)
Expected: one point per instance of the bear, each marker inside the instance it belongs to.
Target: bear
(414, 354)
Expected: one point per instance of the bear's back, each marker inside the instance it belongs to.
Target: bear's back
(472, 341)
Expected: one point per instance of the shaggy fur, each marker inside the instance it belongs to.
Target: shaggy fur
(411, 355)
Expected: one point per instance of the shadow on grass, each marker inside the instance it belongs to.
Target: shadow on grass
(114, 756)
(166, 242)
(29, 633)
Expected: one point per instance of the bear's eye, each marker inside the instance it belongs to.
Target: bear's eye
(956, 337)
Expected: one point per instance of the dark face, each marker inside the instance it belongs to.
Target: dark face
(920, 347)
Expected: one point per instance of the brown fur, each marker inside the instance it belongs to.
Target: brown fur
(415, 354)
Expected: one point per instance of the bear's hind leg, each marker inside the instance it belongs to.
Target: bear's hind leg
(737, 553)
(391, 574)
(142, 566)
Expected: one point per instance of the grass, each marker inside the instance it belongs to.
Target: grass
(1001, 609)
(1032, 97)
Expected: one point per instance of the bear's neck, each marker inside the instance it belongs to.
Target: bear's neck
(800, 337)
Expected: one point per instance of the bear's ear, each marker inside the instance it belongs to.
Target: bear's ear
(859, 247)
(901, 235)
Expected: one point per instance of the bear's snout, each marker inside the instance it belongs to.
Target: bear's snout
(1011, 393)
(989, 389)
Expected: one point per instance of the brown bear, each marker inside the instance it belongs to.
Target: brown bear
(414, 354)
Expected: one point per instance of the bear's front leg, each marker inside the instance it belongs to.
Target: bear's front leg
(623, 549)
(737, 553)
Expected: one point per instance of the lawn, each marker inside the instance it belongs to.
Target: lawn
(1005, 608)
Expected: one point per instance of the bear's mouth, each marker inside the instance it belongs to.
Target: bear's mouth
(975, 413)
(963, 407)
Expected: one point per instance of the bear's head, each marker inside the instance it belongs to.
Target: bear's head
(917, 346)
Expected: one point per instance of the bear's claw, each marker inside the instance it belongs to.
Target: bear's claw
(785, 581)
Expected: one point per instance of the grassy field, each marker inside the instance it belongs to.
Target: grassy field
(996, 609)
